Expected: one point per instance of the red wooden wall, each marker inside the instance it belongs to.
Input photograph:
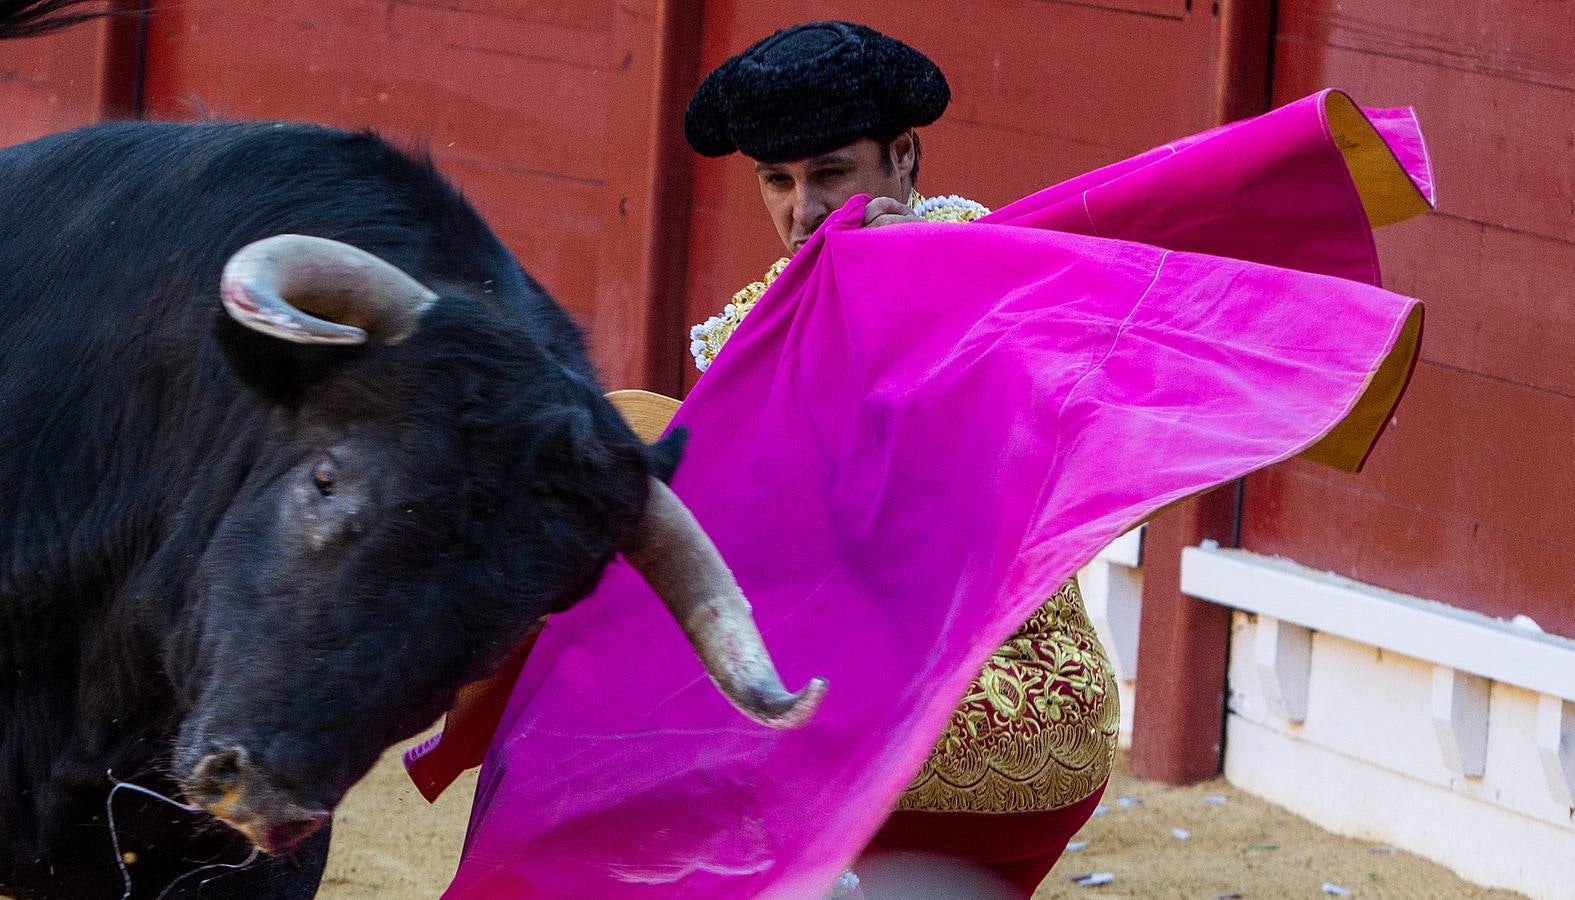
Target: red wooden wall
(69, 78)
(1467, 498)
(1041, 91)
(562, 119)
(544, 113)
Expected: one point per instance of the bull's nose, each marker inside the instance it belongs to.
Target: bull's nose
(227, 784)
(215, 783)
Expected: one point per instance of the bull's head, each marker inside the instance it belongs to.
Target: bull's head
(426, 499)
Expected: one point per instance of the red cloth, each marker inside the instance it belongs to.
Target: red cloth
(467, 731)
(1018, 848)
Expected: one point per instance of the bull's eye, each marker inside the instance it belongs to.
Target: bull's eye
(323, 477)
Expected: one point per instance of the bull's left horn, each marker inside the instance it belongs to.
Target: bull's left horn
(679, 561)
(312, 290)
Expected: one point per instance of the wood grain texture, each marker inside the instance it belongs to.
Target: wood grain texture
(1499, 302)
(1503, 149)
(1521, 40)
(523, 133)
(1464, 499)
(1041, 91)
(66, 79)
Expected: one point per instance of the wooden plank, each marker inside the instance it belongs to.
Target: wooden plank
(1336, 523)
(1499, 302)
(66, 79)
(1461, 502)
(996, 165)
(1503, 151)
(344, 69)
(1165, 9)
(543, 220)
(1241, 73)
(1034, 74)
(1466, 445)
(1332, 523)
(1043, 70)
(505, 34)
(641, 249)
(1523, 40)
(583, 15)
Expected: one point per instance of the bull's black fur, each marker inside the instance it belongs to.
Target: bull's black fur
(155, 590)
(24, 18)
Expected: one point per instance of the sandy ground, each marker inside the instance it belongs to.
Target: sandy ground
(1245, 846)
(389, 843)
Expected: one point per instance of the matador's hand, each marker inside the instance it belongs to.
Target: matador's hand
(887, 211)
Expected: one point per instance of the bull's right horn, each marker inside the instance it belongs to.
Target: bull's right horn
(312, 290)
(686, 571)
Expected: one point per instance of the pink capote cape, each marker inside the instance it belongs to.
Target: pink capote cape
(915, 437)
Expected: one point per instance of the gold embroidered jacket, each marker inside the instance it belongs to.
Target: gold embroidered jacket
(1037, 729)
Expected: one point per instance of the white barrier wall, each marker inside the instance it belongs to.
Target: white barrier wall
(1399, 721)
(1112, 587)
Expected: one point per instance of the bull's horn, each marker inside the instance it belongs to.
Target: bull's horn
(312, 290)
(683, 566)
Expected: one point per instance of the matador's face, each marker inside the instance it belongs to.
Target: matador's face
(800, 195)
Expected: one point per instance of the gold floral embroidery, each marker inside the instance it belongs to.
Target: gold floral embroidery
(708, 337)
(1036, 730)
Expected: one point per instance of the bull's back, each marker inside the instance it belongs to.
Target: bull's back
(112, 241)
(119, 231)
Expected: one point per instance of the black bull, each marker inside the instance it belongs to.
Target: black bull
(267, 502)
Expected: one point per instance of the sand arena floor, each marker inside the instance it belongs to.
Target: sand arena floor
(389, 843)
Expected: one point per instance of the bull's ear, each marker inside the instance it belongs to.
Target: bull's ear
(665, 453)
(648, 414)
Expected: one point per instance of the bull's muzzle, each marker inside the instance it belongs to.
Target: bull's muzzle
(228, 786)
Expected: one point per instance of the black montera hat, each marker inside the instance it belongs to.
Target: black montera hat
(812, 88)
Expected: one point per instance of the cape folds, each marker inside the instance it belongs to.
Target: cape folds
(914, 438)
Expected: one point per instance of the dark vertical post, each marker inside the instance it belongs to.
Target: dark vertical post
(1183, 644)
(125, 51)
(1182, 647)
(639, 340)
